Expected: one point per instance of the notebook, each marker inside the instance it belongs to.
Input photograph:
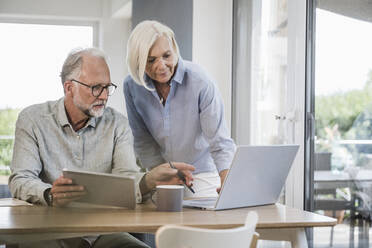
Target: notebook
(256, 177)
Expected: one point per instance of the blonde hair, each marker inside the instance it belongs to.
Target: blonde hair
(142, 38)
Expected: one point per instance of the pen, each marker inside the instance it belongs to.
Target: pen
(181, 176)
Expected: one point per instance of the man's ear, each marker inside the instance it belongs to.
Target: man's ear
(67, 87)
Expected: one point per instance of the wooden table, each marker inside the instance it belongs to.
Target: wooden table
(27, 223)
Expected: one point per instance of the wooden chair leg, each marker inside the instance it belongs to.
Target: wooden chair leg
(254, 240)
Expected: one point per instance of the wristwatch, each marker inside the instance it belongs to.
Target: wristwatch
(48, 197)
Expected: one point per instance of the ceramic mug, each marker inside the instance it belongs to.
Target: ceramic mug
(169, 198)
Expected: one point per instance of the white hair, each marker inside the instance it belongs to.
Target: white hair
(72, 66)
(142, 38)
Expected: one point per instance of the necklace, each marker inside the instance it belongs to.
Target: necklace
(163, 91)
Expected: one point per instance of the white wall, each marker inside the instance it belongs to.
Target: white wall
(114, 36)
(212, 44)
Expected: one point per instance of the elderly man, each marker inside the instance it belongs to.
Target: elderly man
(79, 132)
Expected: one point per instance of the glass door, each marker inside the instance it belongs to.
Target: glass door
(342, 142)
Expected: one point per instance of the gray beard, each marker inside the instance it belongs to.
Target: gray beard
(88, 111)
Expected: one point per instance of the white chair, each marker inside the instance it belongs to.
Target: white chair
(172, 236)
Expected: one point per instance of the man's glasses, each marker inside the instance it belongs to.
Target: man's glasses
(98, 89)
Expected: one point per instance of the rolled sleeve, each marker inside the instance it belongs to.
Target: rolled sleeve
(214, 128)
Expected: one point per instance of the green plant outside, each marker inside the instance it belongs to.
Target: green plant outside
(341, 109)
(8, 118)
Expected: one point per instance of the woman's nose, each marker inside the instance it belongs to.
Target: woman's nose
(160, 63)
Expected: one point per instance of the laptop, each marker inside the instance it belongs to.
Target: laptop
(256, 177)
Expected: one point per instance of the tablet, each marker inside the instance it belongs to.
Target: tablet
(104, 189)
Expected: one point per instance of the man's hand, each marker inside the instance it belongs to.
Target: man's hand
(64, 191)
(164, 174)
(223, 175)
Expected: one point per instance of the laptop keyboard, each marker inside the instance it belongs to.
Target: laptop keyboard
(201, 202)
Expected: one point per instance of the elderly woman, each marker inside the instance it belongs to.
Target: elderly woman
(175, 109)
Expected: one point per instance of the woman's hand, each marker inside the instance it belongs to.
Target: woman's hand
(164, 174)
(223, 175)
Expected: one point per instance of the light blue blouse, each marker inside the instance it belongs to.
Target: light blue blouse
(190, 127)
